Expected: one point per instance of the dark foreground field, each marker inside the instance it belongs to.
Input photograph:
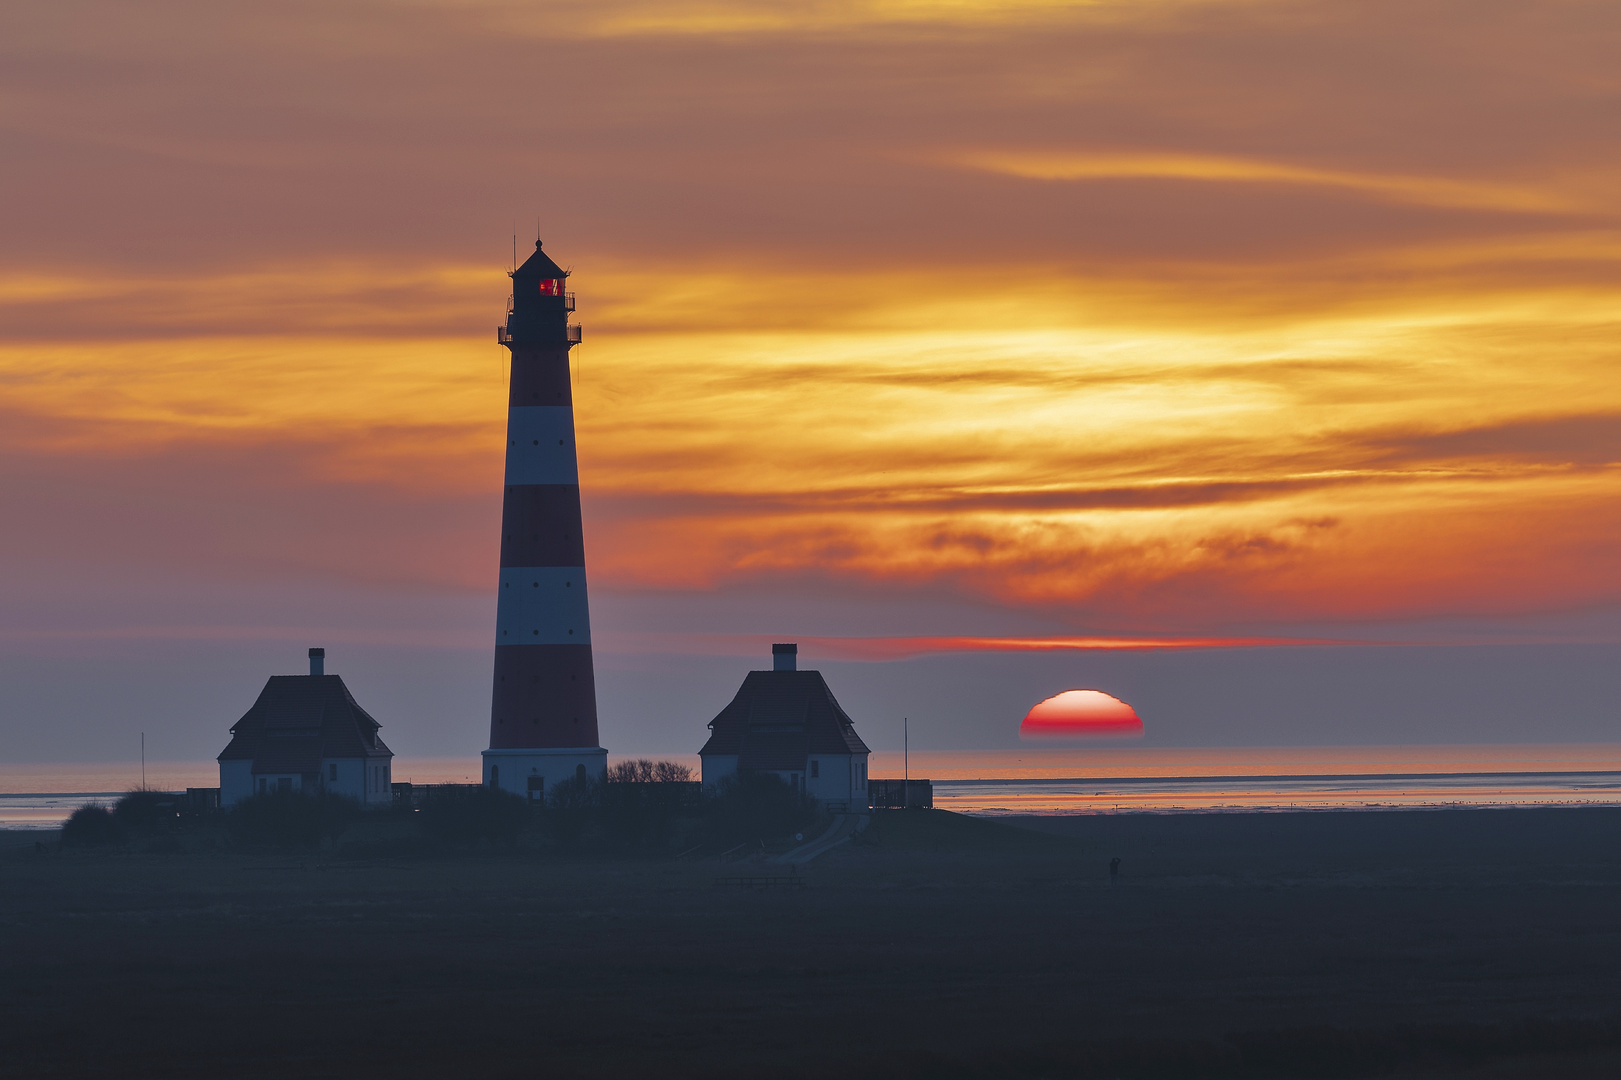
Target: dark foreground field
(1458, 943)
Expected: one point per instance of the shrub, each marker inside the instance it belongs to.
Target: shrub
(291, 818)
(143, 810)
(569, 808)
(754, 807)
(642, 801)
(91, 826)
(474, 813)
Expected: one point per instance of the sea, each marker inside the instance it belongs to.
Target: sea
(1044, 781)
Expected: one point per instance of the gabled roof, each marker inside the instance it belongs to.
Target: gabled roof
(778, 719)
(540, 265)
(300, 720)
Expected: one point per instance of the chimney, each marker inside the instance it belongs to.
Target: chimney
(317, 661)
(784, 657)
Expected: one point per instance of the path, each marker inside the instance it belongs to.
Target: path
(844, 826)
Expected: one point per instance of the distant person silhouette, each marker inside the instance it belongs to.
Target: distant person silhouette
(1114, 870)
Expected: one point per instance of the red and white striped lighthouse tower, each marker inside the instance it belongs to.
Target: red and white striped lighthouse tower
(543, 715)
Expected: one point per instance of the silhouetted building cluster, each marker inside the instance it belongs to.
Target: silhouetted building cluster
(306, 733)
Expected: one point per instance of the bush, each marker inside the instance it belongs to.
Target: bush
(569, 808)
(91, 826)
(143, 810)
(642, 801)
(474, 813)
(291, 818)
(755, 807)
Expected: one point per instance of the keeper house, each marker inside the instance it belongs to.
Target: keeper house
(306, 733)
(787, 722)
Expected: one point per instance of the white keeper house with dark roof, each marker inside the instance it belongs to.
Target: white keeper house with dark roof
(306, 733)
(788, 723)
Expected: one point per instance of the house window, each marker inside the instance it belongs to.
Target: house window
(284, 783)
(816, 769)
(332, 772)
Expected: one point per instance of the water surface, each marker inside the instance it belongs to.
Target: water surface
(1091, 780)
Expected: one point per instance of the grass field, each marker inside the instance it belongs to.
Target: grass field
(1417, 944)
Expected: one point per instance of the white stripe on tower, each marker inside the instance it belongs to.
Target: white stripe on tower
(540, 445)
(542, 605)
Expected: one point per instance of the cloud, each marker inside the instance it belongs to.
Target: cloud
(1080, 165)
(1572, 441)
(370, 298)
(754, 18)
(1092, 471)
(1203, 323)
(887, 649)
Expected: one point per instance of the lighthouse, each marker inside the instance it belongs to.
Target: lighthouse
(543, 712)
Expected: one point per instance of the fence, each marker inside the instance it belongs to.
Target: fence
(417, 796)
(202, 801)
(678, 795)
(895, 794)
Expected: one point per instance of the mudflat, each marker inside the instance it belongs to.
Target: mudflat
(1420, 944)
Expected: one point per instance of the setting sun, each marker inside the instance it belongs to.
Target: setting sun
(1082, 714)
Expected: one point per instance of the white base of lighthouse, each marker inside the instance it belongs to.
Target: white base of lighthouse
(535, 774)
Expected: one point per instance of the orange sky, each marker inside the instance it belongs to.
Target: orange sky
(1210, 319)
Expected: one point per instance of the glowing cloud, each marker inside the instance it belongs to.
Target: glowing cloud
(1215, 168)
(1082, 714)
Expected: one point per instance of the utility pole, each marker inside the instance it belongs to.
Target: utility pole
(143, 761)
(906, 762)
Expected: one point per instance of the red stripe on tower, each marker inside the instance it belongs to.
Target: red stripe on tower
(543, 713)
